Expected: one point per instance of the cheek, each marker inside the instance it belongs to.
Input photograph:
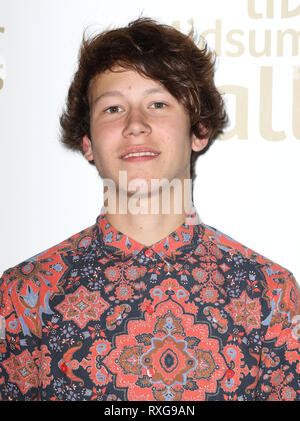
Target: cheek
(179, 126)
(98, 131)
(102, 139)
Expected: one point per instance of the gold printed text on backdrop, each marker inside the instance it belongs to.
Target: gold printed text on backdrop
(268, 43)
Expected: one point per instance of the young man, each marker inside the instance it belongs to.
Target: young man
(151, 305)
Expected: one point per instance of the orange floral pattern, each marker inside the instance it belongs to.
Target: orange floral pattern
(196, 316)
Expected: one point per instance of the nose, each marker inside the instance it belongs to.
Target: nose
(136, 124)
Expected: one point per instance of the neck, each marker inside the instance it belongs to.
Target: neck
(150, 218)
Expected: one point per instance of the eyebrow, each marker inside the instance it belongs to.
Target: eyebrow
(120, 94)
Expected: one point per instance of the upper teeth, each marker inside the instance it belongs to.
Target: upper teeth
(139, 154)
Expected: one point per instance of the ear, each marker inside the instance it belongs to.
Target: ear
(199, 144)
(87, 148)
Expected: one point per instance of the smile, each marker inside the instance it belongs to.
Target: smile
(140, 154)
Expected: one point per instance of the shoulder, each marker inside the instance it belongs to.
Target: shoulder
(233, 247)
(279, 287)
(25, 289)
(51, 261)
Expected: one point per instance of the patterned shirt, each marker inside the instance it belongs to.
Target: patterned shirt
(196, 316)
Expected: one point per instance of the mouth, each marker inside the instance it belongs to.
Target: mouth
(139, 156)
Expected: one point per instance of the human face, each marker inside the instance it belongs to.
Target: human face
(131, 111)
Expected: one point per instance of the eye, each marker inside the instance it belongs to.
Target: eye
(158, 105)
(113, 109)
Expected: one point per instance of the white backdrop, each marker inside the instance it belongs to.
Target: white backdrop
(247, 184)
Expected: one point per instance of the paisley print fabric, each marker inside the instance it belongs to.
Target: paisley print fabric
(197, 316)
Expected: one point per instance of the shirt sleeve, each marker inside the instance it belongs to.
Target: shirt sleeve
(279, 374)
(18, 369)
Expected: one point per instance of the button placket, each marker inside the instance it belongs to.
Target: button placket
(150, 309)
(168, 273)
(229, 373)
(63, 368)
(148, 253)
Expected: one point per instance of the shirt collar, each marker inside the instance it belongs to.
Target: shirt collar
(181, 241)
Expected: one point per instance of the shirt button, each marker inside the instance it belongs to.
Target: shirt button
(148, 253)
(150, 372)
(150, 309)
(229, 374)
(63, 368)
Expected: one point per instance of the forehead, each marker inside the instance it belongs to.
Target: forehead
(122, 80)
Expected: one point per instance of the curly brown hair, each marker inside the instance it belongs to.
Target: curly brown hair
(157, 51)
